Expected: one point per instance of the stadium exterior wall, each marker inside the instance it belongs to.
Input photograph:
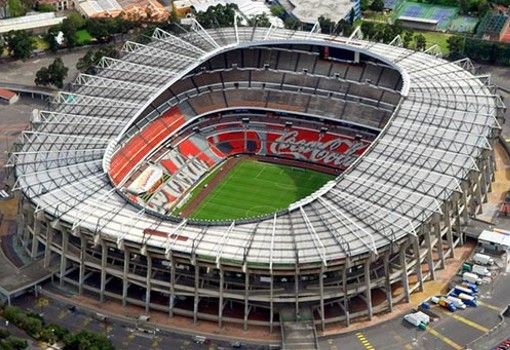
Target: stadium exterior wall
(90, 263)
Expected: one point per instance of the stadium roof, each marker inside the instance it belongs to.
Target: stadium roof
(439, 129)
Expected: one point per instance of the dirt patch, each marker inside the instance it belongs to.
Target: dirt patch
(190, 207)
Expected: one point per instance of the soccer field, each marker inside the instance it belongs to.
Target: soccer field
(253, 188)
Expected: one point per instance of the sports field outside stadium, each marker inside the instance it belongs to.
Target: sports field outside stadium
(254, 188)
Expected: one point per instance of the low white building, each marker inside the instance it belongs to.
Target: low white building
(496, 240)
(35, 22)
(8, 97)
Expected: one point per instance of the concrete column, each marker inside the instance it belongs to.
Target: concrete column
(456, 210)
(419, 274)
(479, 193)
(484, 181)
(271, 306)
(449, 234)
(296, 291)
(346, 301)
(387, 281)
(172, 286)
(104, 256)
(430, 257)
(148, 284)
(465, 212)
(321, 287)
(35, 242)
(439, 243)
(127, 257)
(83, 253)
(195, 300)
(368, 291)
(403, 266)
(220, 302)
(246, 294)
(63, 257)
(47, 246)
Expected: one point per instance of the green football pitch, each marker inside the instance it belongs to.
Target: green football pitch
(254, 188)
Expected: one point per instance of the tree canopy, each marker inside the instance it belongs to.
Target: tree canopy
(54, 74)
(377, 5)
(87, 63)
(217, 16)
(20, 44)
(420, 41)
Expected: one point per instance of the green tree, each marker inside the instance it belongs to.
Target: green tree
(14, 343)
(50, 36)
(344, 27)
(54, 74)
(277, 10)
(16, 8)
(260, 21)
(44, 7)
(291, 23)
(368, 29)
(68, 27)
(420, 42)
(76, 20)
(87, 340)
(377, 5)
(87, 63)
(408, 38)
(456, 46)
(99, 29)
(20, 44)
(327, 25)
(217, 16)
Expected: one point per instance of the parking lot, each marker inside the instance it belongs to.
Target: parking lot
(451, 330)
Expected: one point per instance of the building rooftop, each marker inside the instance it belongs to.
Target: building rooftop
(308, 11)
(6, 94)
(440, 128)
(30, 21)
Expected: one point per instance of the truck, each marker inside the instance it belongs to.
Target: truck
(423, 317)
(415, 321)
(471, 286)
(481, 270)
(441, 301)
(447, 304)
(468, 299)
(471, 278)
(458, 303)
(483, 259)
(461, 289)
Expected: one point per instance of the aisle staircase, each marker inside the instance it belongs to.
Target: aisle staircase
(298, 333)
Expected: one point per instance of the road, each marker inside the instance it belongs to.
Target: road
(23, 72)
(122, 335)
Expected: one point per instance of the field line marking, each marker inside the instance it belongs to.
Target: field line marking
(445, 339)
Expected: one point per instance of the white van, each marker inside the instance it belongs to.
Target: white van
(471, 277)
(483, 259)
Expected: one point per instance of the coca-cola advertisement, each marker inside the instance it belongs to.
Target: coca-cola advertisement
(326, 148)
(333, 150)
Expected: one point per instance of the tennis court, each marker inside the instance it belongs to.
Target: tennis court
(443, 14)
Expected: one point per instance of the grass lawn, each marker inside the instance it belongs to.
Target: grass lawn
(83, 37)
(254, 188)
(40, 43)
(439, 39)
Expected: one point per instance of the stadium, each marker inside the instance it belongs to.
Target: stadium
(152, 183)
